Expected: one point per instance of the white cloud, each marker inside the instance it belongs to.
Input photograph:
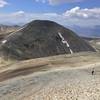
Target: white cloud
(74, 16)
(15, 17)
(18, 14)
(55, 2)
(3, 3)
(83, 17)
(43, 1)
(77, 12)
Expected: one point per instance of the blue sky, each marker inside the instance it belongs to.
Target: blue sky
(37, 6)
(66, 12)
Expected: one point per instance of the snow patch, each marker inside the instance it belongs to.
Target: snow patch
(65, 42)
(4, 41)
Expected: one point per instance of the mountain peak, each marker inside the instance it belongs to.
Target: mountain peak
(42, 38)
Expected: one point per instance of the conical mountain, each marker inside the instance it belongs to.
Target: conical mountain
(42, 38)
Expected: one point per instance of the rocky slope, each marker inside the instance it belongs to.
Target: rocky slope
(42, 38)
(6, 30)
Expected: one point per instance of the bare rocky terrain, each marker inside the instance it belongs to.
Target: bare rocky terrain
(63, 77)
(71, 72)
(94, 42)
(4, 29)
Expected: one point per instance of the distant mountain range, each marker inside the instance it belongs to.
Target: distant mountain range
(87, 31)
(8, 29)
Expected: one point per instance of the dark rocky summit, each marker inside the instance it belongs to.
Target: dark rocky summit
(42, 38)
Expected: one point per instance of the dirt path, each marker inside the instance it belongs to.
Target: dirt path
(27, 67)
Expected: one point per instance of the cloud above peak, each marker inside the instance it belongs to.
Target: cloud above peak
(57, 2)
(3, 3)
(75, 16)
(77, 12)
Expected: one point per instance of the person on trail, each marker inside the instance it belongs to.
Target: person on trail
(93, 71)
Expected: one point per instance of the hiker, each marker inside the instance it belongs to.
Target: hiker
(93, 71)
